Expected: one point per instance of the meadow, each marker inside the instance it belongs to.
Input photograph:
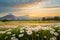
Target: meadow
(9, 24)
(29, 30)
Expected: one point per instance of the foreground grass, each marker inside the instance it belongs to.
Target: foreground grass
(31, 33)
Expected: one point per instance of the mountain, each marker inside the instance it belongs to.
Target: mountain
(26, 17)
(13, 17)
(9, 17)
(23, 17)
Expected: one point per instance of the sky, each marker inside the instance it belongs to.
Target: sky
(37, 8)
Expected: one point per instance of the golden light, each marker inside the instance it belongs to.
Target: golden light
(37, 10)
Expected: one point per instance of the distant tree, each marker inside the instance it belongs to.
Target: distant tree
(5, 20)
(43, 19)
(49, 19)
(56, 18)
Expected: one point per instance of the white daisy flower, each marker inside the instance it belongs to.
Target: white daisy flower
(53, 38)
(6, 37)
(56, 34)
(9, 33)
(21, 35)
(45, 37)
(52, 32)
(16, 39)
(29, 32)
(13, 35)
(21, 31)
(9, 30)
(2, 32)
(58, 30)
(12, 38)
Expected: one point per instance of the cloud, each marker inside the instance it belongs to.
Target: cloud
(53, 7)
(52, 4)
(6, 5)
(14, 2)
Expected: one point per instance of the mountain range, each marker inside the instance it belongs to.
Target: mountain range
(26, 17)
(13, 17)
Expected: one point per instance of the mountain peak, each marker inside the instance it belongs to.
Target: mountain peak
(9, 17)
(10, 14)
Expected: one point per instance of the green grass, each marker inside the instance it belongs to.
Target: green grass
(41, 34)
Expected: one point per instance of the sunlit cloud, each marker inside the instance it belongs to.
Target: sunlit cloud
(6, 5)
(23, 7)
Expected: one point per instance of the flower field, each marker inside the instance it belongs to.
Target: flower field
(39, 32)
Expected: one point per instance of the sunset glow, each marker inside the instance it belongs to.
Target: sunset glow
(36, 9)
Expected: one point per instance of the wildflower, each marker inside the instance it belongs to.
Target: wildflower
(29, 32)
(22, 28)
(14, 38)
(13, 35)
(56, 34)
(45, 37)
(27, 28)
(35, 29)
(58, 30)
(53, 38)
(52, 32)
(57, 26)
(2, 32)
(21, 35)
(21, 31)
(51, 29)
(8, 32)
(6, 37)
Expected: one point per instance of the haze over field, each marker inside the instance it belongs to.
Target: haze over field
(36, 8)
